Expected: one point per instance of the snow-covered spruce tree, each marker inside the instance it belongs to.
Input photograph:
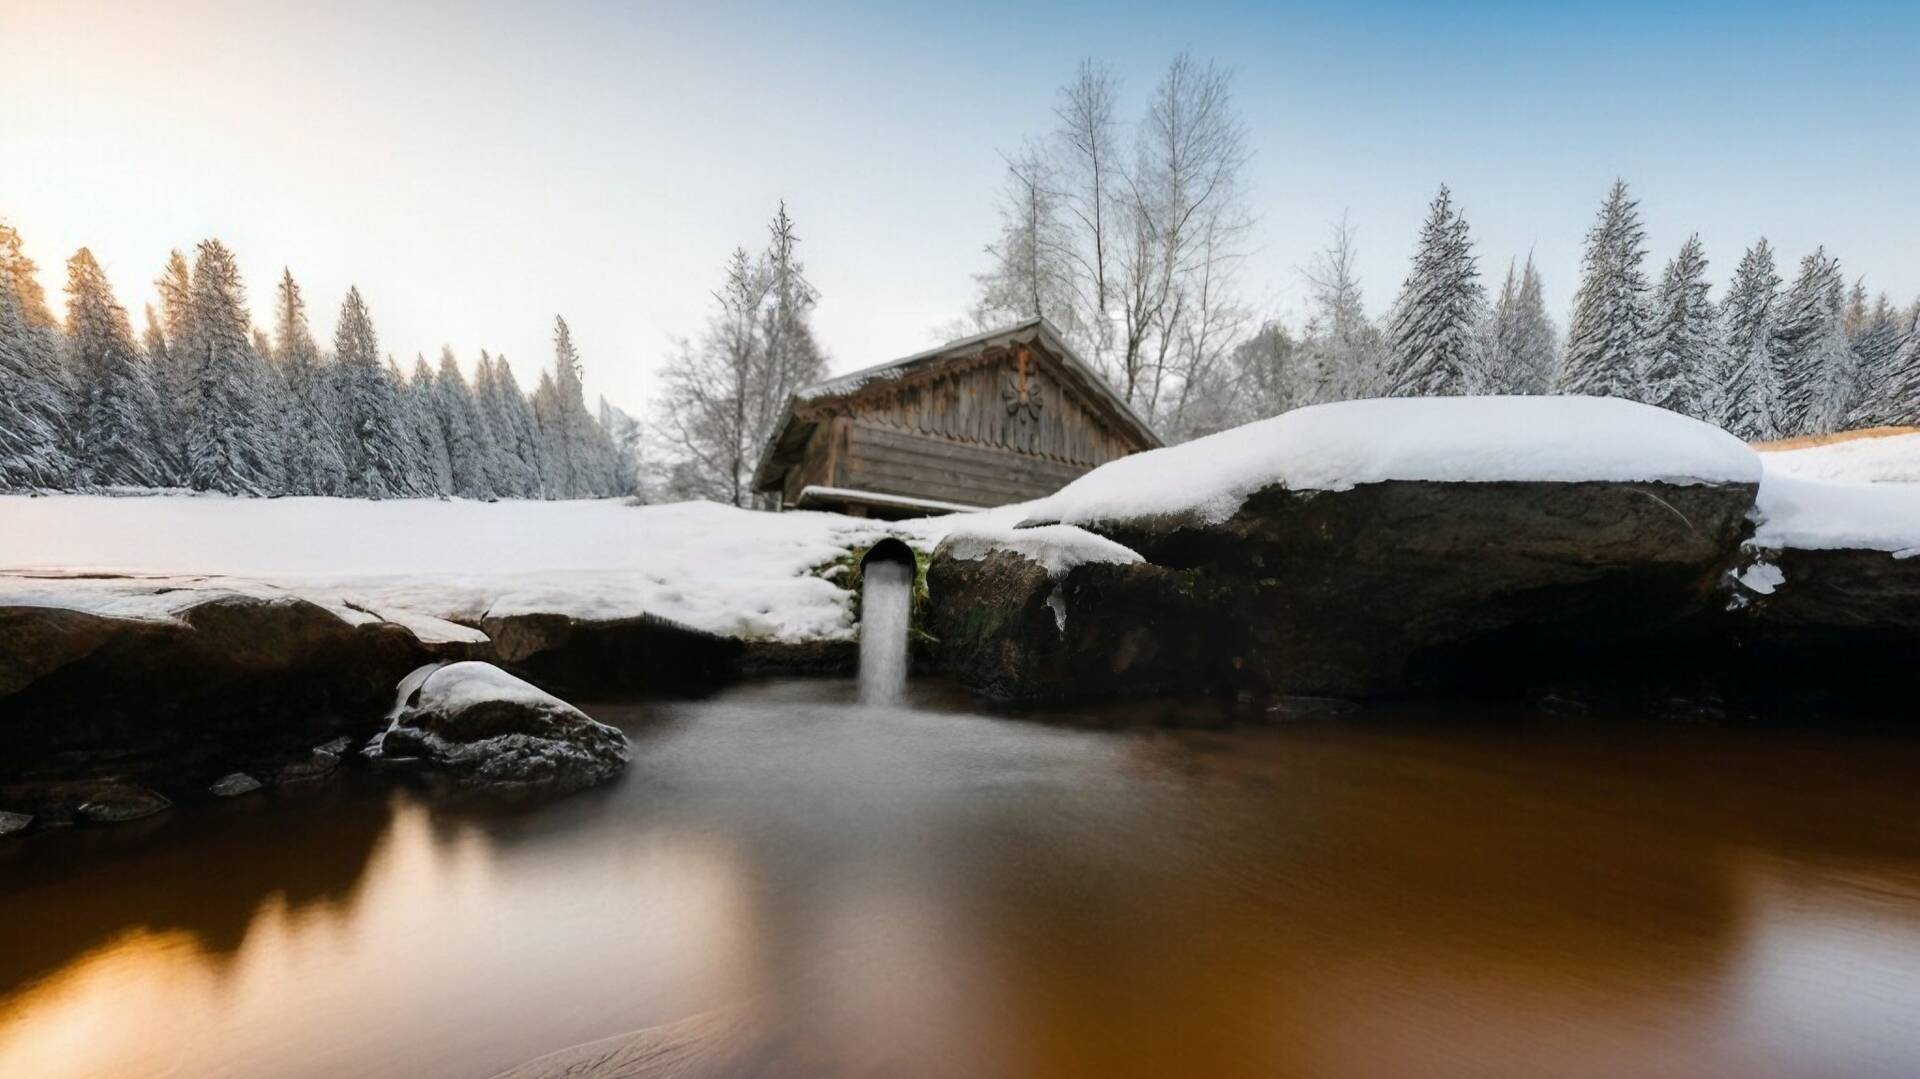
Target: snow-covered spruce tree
(1745, 396)
(117, 444)
(1811, 360)
(376, 447)
(1522, 344)
(623, 431)
(1606, 336)
(36, 390)
(1875, 347)
(580, 456)
(506, 472)
(316, 458)
(1432, 344)
(421, 418)
(232, 427)
(515, 433)
(173, 365)
(470, 446)
(1903, 374)
(1680, 346)
(33, 451)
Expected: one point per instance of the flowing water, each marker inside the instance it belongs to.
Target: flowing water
(785, 883)
(886, 602)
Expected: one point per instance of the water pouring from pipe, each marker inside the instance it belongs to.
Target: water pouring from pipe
(886, 602)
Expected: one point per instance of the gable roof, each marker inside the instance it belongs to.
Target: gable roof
(1033, 329)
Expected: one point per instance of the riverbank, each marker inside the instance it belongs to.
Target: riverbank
(1545, 548)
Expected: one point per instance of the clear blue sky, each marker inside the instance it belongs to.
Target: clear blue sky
(477, 168)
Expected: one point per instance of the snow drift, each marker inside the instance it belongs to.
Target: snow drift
(1334, 447)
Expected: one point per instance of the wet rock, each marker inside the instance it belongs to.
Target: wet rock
(244, 673)
(14, 823)
(1379, 588)
(234, 784)
(116, 803)
(488, 729)
(1011, 629)
(597, 654)
(316, 765)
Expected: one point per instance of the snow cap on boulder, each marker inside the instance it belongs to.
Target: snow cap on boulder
(488, 729)
(1334, 447)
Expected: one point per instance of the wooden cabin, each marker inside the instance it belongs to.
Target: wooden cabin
(1002, 417)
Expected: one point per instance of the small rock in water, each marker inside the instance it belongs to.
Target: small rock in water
(317, 765)
(234, 784)
(338, 747)
(117, 803)
(488, 729)
(11, 823)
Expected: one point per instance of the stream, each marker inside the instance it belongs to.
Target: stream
(788, 882)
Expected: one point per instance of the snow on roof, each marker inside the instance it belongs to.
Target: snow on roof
(1445, 439)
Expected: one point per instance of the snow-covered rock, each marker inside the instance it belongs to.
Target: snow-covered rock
(1364, 547)
(233, 784)
(1884, 459)
(486, 728)
(1056, 612)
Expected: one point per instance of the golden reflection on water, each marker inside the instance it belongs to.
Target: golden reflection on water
(831, 891)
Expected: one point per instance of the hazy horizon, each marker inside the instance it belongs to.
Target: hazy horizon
(477, 170)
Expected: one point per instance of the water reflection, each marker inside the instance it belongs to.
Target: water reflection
(785, 884)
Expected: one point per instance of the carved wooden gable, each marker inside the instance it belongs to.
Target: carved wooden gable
(1018, 397)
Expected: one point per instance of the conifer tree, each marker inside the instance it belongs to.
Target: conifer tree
(376, 450)
(470, 448)
(422, 420)
(520, 431)
(173, 366)
(33, 452)
(1875, 347)
(1746, 390)
(1811, 360)
(1606, 337)
(117, 442)
(1903, 374)
(1680, 350)
(231, 426)
(316, 455)
(506, 470)
(1521, 342)
(1432, 340)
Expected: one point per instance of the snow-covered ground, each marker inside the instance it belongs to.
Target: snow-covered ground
(1332, 447)
(1862, 494)
(1889, 459)
(715, 568)
(432, 564)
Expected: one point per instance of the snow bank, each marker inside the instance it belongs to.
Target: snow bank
(1816, 516)
(715, 568)
(1334, 447)
(1058, 548)
(1889, 459)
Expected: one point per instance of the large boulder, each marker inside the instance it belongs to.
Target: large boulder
(485, 728)
(149, 675)
(1052, 613)
(1378, 546)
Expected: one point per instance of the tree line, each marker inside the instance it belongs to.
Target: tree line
(207, 400)
(1135, 250)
